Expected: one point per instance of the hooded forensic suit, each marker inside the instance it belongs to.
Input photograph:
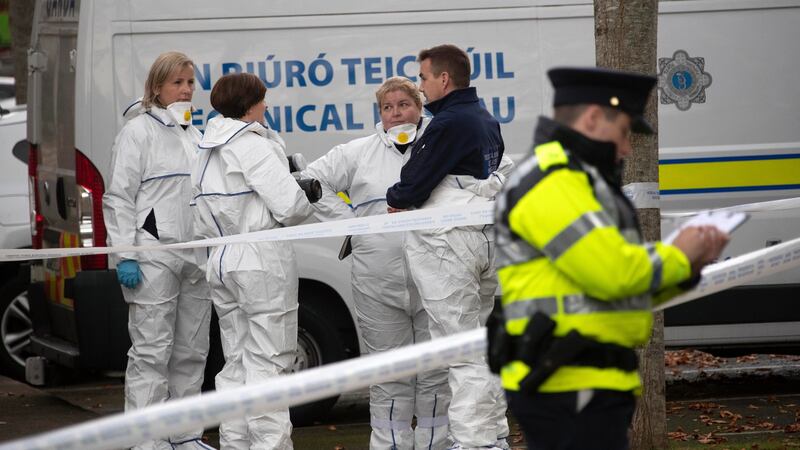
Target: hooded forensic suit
(242, 184)
(147, 203)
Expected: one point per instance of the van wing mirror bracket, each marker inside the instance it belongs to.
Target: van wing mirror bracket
(37, 61)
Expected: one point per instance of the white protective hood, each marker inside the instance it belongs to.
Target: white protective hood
(222, 130)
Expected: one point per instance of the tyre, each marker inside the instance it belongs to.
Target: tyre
(318, 343)
(15, 327)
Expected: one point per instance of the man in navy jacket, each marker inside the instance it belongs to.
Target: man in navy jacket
(462, 139)
(453, 268)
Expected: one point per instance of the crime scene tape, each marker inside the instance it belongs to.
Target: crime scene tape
(187, 414)
(750, 208)
(479, 213)
(123, 430)
(741, 270)
(452, 216)
(642, 195)
(647, 195)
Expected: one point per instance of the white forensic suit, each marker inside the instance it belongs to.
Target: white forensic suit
(147, 203)
(453, 269)
(242, 184)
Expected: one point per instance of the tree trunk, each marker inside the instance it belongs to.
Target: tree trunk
(20, 20)
(626, 38)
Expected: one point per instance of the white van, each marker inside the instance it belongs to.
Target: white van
(15, 322)
(728, 99)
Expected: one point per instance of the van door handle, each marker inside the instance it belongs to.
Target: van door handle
(61, 198)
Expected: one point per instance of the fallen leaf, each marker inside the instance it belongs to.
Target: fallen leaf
(747, 358)
(702, 406)
(674, 408)
(695, 358)
(709, 421)
(725, 414)
(766, 425)
(710, 439)
(678, 436)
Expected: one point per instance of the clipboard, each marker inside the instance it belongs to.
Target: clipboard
(727, 221)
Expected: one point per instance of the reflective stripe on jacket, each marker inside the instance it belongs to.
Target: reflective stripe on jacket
(568, 244)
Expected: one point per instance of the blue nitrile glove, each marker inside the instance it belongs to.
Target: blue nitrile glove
(128, 273)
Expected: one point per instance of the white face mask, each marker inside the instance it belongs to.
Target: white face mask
(402, 134)
(181, 112)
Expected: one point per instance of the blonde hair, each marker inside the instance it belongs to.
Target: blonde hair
(162, 68)
(399, 84)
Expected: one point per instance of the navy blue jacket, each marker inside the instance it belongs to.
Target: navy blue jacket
(462, 139)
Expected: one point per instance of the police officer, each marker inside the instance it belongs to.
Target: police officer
(578, 282)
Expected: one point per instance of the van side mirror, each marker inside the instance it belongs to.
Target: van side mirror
(21, 149)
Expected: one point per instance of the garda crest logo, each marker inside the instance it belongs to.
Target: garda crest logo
(682, 81)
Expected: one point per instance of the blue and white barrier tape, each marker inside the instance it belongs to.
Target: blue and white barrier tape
(479, 213)
(741, 270)
(750, 208)
(187, 414)
(452, 216)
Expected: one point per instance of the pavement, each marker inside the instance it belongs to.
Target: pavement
(747, 401)
(735, 422)
(26, 411)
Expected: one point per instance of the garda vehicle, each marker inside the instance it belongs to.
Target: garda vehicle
(728, 118)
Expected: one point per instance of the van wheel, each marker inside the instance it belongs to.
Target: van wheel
(318, 343)
(15, 327)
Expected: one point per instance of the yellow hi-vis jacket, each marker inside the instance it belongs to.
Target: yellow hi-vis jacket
(568, 245)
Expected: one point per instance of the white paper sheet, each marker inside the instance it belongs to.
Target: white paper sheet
(726, 221)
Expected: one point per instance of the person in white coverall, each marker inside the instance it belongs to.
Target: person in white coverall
(459, 160)
(147, 203)
(242, 184)
(389, 311)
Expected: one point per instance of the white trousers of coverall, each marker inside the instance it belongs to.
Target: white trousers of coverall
(168, 319)
(388, 321)
(454, 272)
(257, 309)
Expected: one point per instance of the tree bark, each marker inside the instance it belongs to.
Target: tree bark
(626, 38)
(20, 20)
